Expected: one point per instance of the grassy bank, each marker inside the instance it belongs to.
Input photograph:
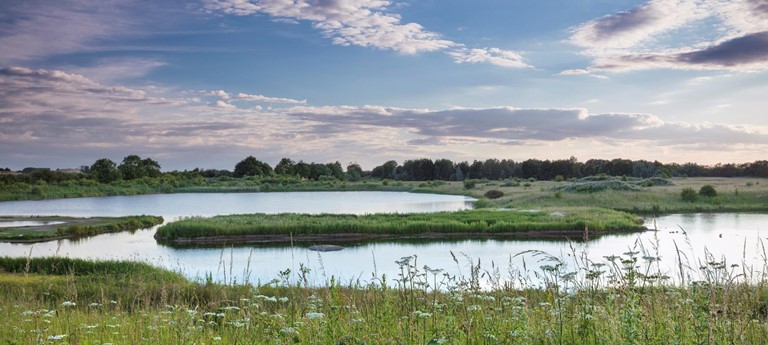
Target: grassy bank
(634, 195)
(460, 223)
(54, 227)
(172, 184)
(76, 303)
(734, 195)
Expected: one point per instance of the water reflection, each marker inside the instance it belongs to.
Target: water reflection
(732, 238)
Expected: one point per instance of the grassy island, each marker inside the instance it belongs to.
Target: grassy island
(39, 228)
(329, 227)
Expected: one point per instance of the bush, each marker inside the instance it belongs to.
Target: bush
(688, 195)
(494, 194)
(708, 191)
(559, 178)
(469, 184)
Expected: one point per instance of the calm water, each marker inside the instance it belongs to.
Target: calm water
(736, 238)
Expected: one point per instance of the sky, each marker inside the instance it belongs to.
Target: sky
(205, 83)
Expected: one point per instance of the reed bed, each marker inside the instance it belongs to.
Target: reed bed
(625, 299)
(462, 222)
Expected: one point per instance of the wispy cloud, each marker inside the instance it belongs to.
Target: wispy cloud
(635, 39)
(225, 99)
(366, 23)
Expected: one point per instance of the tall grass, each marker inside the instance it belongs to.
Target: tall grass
(623, 299)
(462, 222)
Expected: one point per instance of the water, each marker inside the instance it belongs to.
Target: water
(734, 238)
(25, 223)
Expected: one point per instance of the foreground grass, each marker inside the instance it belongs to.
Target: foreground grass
(482, 222)
(58, 300)
(72, 227)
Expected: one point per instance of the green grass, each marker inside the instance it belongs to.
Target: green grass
(623, 302)
(461, 223)
(74, 227)
(733, 195)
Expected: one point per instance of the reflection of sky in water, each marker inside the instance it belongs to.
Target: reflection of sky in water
(737, 238)
(22, 223)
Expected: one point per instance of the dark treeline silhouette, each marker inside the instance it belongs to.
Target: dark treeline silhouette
(423, 169)
(493, 169)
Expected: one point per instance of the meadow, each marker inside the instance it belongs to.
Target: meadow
(623, 300)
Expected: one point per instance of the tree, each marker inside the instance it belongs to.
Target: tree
(105, 170)
(354, 172)
(285, 167)
(443, 169)
(130, 168)
(250, 166)
(337, 171)
(386, 170)
(151, 167)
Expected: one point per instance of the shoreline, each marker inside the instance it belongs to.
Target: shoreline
(354, 237)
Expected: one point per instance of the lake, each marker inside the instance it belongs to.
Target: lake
(700, 238)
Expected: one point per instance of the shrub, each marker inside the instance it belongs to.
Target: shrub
(494, 194)
(469, 184)
(708, 191)
(688, 195)
(559, 178)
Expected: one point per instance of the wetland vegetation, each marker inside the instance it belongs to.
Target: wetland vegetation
(47, 228)
(623, 300)
(290, 227)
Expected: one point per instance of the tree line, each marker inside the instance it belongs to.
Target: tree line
(133, 167)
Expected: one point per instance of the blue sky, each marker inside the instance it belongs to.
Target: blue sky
(205, 83)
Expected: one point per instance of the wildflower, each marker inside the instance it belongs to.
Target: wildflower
(313, 315)
(68, 304)
(56, 337)
(473, 307)
(422, 315)
(283, 299)
(94, 305)
(216, 338)
(288, 331)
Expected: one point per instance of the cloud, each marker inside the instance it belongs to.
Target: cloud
(650, 36)
(37, 29)
(630, 28)
(495, 56)
(745, 53)
(227, 98)
(50, 116)
(524, 125)
(366, 23)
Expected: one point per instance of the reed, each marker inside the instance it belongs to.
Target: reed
(460, 223)
(624, 299)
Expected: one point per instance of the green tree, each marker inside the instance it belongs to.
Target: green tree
(250, 166)
(285, 167)
(354, 172)
(150, 167)
(105, 170)
(130, 168)
(336, 171)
